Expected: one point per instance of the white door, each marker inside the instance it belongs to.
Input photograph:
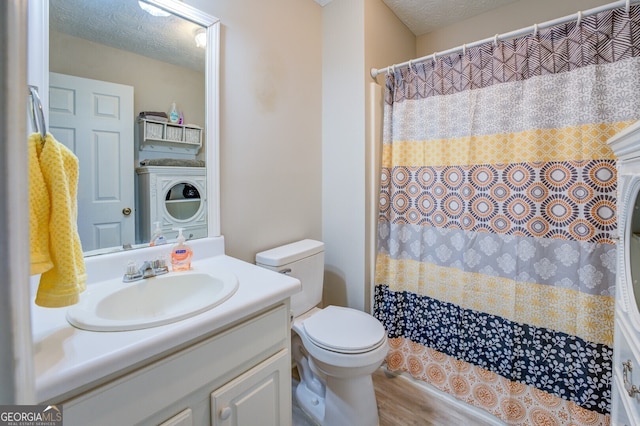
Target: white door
(95, 120)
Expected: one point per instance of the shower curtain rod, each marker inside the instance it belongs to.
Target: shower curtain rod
(512, 34)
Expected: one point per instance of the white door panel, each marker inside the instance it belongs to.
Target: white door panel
(95, 120)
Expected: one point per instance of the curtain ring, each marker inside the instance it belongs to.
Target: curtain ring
(579, 18)
(535, 30)
(433, 57)
(464, 49)
(495, 40)
(410, 64)
(627, 6)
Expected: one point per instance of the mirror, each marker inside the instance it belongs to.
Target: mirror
(632, 232)
(110, 63)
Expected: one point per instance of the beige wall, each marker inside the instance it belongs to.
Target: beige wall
(501, 20)
(387, 40)
(156, 84)
(292, 126)
(343, 152)
(357, 35)
(270, 122)
(394, 44)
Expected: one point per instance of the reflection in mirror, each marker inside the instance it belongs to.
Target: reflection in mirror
(116, 73)
(634, 244)
(183, 201)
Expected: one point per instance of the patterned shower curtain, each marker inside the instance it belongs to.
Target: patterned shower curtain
(495, 268)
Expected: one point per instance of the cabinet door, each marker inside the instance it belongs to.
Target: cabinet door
(258, 397)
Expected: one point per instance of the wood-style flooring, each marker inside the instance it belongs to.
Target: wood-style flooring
(402, 403)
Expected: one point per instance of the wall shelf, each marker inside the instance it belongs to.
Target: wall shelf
(169, 137)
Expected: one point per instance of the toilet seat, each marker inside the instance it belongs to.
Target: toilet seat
(344, 330)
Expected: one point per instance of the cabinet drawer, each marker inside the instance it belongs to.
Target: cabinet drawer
(202, 367)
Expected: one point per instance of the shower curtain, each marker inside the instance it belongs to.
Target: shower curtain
(495, 265)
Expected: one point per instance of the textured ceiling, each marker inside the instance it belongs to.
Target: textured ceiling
(123, 25)
(423, 16)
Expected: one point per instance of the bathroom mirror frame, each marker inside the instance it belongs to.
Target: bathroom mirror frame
(628, 292)
(38, 76)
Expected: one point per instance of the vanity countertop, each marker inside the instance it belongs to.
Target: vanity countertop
(67, 359)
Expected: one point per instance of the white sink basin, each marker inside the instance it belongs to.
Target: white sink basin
(118, 306)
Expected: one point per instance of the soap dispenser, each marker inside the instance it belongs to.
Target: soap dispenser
(181, 254)
(174, 116)
(157, 239)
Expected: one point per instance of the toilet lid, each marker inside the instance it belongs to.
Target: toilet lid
(344, 330)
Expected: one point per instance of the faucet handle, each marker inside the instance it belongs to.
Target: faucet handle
(132, 273)
(160, 266)
(132, 268)
(149, 268)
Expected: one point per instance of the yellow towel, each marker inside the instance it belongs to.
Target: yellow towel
(39, 208)
(61, 284)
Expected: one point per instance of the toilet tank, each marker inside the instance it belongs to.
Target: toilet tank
(303, 260)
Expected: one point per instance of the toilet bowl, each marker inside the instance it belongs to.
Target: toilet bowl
(340, 348)
(336, 349)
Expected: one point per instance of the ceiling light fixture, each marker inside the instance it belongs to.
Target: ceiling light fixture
(201, 37)
(152, 10)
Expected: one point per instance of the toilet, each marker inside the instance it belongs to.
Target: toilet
(336, 349)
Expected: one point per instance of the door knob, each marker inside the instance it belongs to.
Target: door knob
(126, 211)
(225, 413)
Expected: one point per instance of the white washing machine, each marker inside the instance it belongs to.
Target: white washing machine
(174, 196)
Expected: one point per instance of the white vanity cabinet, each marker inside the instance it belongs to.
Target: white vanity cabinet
(239, 376)
(173, 196)
(626, 351)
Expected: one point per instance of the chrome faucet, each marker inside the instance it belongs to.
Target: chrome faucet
(149, 268)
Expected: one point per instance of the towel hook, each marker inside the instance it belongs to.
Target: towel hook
(579, 18)
(37, 117)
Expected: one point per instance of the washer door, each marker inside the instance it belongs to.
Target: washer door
(182, 201)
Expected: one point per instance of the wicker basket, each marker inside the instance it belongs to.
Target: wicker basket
(192, 135)
(174, 133)
(154, 130)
